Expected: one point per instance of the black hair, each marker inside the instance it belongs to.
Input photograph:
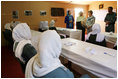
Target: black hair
(111, 8)
(68, 11)
(90, 11)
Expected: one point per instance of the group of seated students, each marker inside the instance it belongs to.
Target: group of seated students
(95, 37)
(8, 31)
(45, 62)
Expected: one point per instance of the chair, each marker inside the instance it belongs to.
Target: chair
(8, 36)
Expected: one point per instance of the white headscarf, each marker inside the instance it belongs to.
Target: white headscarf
(14, 23)
(48, 60)
(44, 25)
(7, 26)
(21, 33)
(52, 23)
(96, 30)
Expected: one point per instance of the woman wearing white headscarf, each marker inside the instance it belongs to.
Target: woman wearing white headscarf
(46, 63)
(14, 23)
(52, 25)
(22, 46)
(7, 26)
(95, 37)
(43, 26)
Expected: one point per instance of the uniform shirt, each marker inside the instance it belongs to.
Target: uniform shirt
(111, 17)
(90, 21)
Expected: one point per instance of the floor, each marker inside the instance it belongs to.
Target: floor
(10, 67)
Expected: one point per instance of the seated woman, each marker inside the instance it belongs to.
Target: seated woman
(22, 46)
(52, 25)
(43, 26)
(46, 63)
(8, 26)
(95, 37)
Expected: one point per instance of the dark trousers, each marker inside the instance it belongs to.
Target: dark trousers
(110, 28)
(79, 26)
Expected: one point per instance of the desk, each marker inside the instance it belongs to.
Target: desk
(94, 61)
(72, 33)
(110, 37)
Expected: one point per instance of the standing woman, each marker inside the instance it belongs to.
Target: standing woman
(81, 24)
(69, 20)
(90, 21)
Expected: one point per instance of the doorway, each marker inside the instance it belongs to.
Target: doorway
(77, 11)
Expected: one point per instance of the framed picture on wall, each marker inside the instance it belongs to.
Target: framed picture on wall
(28, 12)
(101, 6)
(43, 13)
(15, 14)
(57, 11)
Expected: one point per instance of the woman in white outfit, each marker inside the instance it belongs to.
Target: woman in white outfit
(95, 37)
(46, 63)
(23, 48)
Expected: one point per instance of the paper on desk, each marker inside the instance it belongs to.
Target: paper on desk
(90, 50)
(69, 43)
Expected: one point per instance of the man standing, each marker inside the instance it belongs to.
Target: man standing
(110, 20)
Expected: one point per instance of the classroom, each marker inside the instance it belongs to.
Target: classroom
(59, 39)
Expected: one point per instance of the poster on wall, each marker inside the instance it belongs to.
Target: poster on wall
(43, 13)
(15, 14)
(28, 12)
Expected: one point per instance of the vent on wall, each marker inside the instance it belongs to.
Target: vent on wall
(57, 11)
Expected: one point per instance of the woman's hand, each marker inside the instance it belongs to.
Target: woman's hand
(107, 22)
(89, 27)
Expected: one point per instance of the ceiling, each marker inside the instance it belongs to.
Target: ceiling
(77, 2)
